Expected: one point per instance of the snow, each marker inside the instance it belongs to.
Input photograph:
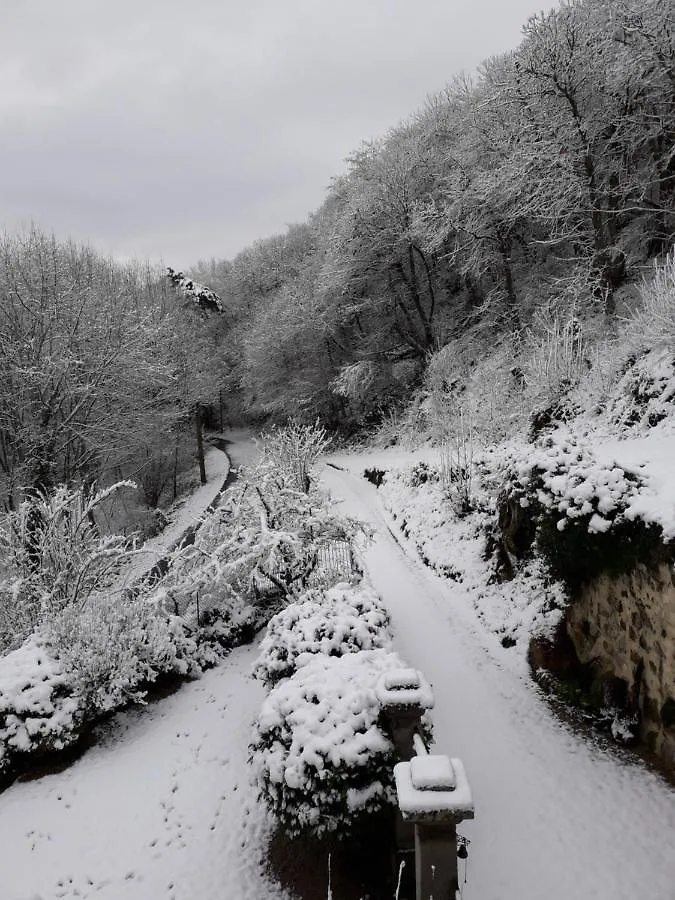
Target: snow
(331, 710)
(444, 791)
(455, 548)
(37, 706)
(557, 815)
(433, 772)
(345, 619)
(651, 455)
(319, 745)
(163, 806)
(405, 687)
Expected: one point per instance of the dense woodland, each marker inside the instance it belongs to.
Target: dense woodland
(536, 188)
(517, 200)
(100, 381)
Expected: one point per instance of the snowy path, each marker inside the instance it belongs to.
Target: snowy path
(186, 513)
(161, 809)
(556, 818)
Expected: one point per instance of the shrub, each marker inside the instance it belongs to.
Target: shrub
(456, 468)
(339, 621)
(652, 325)
(582, 509)
(323, 759)
(293, 450)
(554, 357)
(40, 708)
(52, 555)
(260, 544)
(374, 476)
(421, 473)
(113, 647)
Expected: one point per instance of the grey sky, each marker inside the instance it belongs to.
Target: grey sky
(183, 130)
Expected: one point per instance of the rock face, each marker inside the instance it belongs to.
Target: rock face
(624, 627)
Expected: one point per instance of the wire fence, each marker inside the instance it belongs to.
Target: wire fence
(333, 562)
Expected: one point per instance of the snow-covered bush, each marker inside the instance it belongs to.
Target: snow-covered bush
(564, 477)
(586, 515)
(421, 473)
(40, 708)
(114, 646)
(553, 357)
(645, 393)
(652, 325)
(456, 467)
(291, 451)
(323, 759)
(261, 544)
(342, 620)
(52, 555)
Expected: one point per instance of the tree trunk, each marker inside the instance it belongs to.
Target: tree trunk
(200, 443)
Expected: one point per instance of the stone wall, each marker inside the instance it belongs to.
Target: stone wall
(624, 627)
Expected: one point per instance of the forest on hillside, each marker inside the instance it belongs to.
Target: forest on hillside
(105, 368)
(514, 203)
(514, 208)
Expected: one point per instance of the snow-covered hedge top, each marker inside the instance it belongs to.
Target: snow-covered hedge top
(326, 714)
(38, 706)
(344, 619)
(565, 477)
(29, 678)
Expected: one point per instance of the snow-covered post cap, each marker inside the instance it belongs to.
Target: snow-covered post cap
(404, 688)
(433, 788)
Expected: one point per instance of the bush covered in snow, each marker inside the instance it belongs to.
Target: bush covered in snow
(652, 325)
(115, 646)
(645, 393)
(335, 622)
(52, 555)
(40, 708)
(323, 759)
(260, 545)
(293, 450)
(582, 510)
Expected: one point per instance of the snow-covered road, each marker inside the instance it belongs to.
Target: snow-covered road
(556, 817)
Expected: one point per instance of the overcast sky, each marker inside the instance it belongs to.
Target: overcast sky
(176, 130)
